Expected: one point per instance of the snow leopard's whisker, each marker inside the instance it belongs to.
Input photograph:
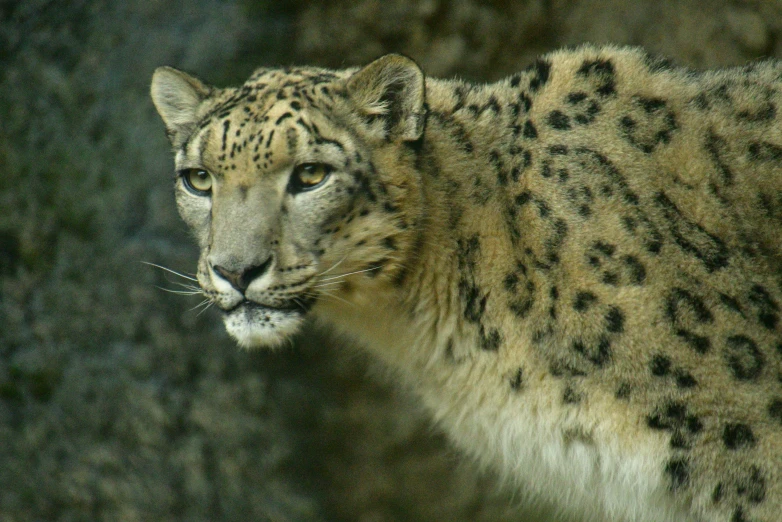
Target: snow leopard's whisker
(325, 294)
(332, 296)
(188, 286)
(328, 284)
(299, 302)
(169, 270)
(349, 274)
(335, 265)
(180, 292)
(206, 303)
(207, 307)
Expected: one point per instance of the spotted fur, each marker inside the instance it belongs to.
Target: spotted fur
(578, 267)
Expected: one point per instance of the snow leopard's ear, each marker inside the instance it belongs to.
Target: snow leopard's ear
(392, 88)
(177, 97)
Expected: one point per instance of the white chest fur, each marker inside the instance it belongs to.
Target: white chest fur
(582, 469)
(571, 457)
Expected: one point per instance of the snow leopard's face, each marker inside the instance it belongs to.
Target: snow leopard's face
(281, 184)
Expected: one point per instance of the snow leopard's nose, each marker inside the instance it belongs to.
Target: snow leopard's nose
(241, 279)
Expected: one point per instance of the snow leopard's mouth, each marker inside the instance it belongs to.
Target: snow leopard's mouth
(253, 324)
(294, 306)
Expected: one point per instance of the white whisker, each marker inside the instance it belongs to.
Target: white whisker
(328, 284)
(180, 274)
(207, 307)
(206, 302)
(335, 265)
(180, 292)
(325, 293)
(188, 286)
(350, 273)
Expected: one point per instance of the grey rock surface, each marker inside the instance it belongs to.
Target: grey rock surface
(119, 401)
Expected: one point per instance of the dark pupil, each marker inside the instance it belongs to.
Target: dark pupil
(309, 173)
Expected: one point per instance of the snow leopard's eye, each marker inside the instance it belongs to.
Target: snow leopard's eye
(197, 181)
(308, 176)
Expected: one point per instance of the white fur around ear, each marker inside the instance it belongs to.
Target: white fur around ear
(393, 88)
(177, 97)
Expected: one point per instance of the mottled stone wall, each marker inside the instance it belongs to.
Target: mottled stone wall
(119, 401)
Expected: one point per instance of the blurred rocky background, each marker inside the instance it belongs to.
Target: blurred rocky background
(122, 402)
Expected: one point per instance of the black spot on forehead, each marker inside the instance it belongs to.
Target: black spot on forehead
(287, 76)
(268, 88)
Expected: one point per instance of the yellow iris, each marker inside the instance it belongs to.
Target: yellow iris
(311, 174)
(198, 179)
